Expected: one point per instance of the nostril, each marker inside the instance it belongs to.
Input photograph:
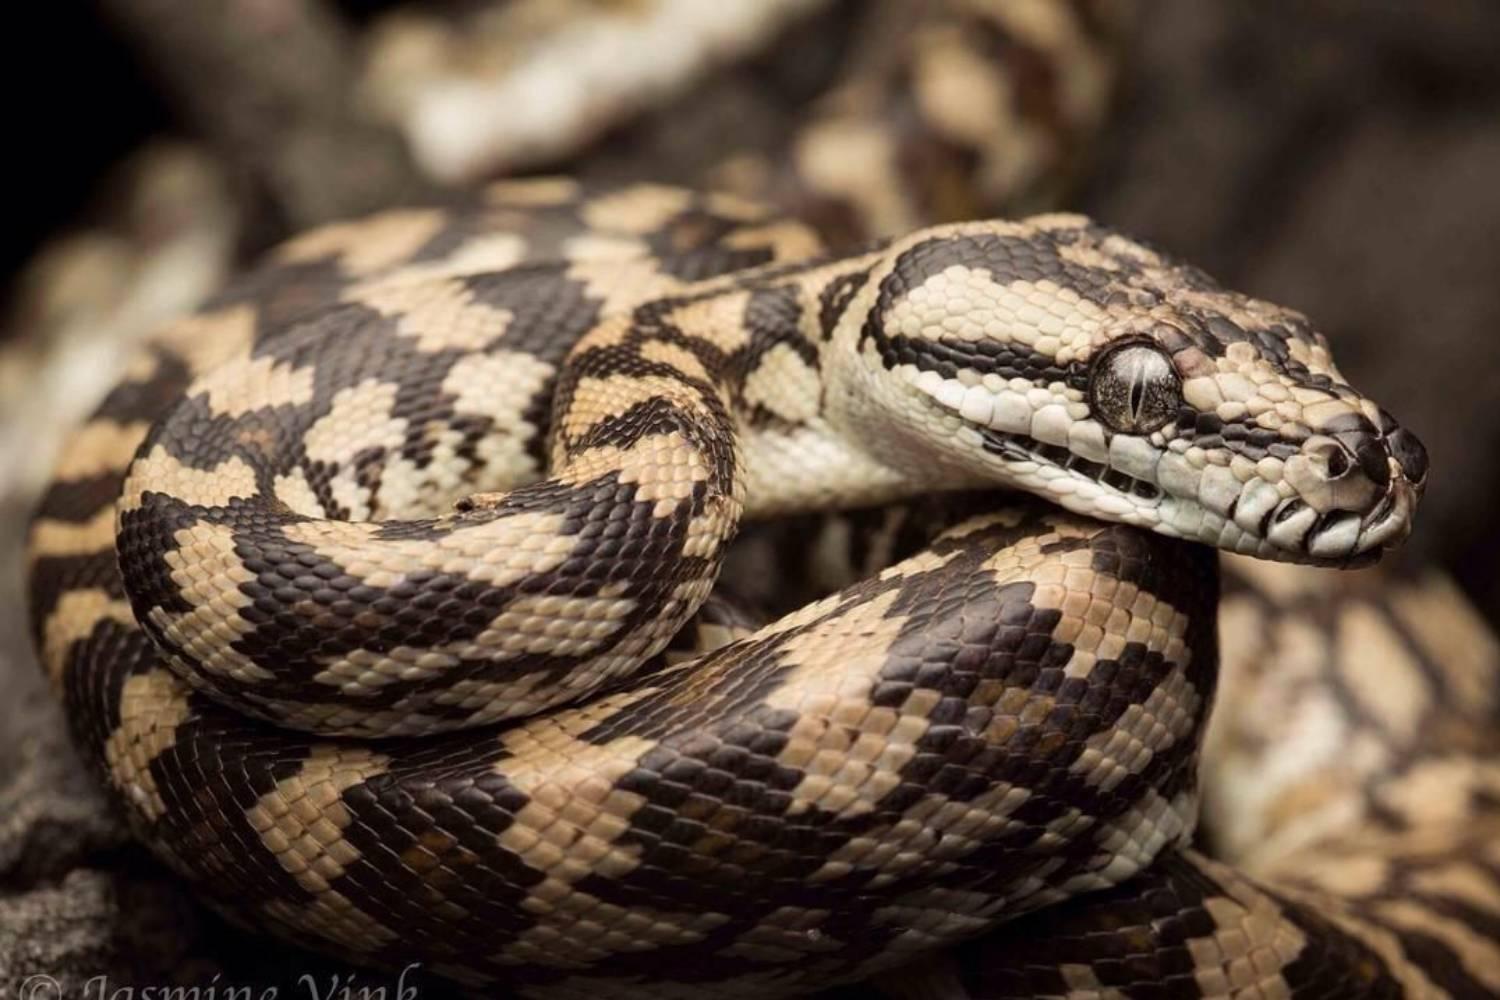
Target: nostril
(1410, 453)
(1336, 461)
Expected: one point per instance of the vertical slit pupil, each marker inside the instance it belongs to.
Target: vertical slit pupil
(1137, 394)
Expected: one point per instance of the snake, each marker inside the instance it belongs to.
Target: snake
(365, 591)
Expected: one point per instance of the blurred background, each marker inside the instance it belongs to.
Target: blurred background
(1339, 157)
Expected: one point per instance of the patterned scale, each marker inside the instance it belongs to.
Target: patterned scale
(473, 468)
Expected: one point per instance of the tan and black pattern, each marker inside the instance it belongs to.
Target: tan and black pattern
(868, 120)
(473, 469)
(1349, 774)
(942, 111)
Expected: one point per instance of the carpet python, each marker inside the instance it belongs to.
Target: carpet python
(359, 588)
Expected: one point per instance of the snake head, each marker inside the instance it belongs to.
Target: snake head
(1062, 358)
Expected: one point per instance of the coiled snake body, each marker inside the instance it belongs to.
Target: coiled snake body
(260, 521)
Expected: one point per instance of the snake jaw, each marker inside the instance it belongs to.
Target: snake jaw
(1313, 507)
(1300, 510)
(1075, 466)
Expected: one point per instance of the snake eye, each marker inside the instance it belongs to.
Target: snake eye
(1133, 388)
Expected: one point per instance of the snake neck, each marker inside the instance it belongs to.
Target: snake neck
(770, 344)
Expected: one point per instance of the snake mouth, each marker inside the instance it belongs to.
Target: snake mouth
(1020, 448)
(1287, 528)
(1294, 530)
(1355, 539)
(1302, 529)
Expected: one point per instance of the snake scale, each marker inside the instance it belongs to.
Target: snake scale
(359, 587)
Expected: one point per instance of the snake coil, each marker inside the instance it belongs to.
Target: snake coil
(397, 730)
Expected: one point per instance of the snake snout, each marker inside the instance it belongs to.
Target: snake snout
(1410, 455)
(1363, 479)
(1402, 461)
(1342, 472)
(1389, 521)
